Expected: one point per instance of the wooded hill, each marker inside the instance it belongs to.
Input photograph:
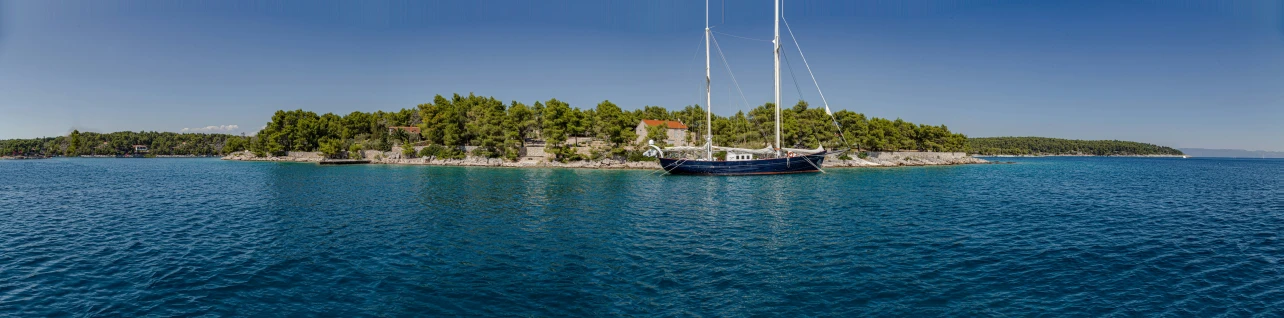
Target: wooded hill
(498, 129)
(1055, 146)
(118, 143)
(495, 129)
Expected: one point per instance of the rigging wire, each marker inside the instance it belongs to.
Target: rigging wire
(813, 79)
(728, 66)
(790, 66)
(798, 89)
(696, 57)
(742, 37)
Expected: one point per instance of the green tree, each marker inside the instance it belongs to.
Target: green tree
(614, 126)
(521, 121)
(233, 144)
(657, 113)
(73, 147)
(488, 117)
(557, 118)
(518, 125)
(331, 147)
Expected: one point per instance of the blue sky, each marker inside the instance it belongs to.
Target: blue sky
(1180, 73)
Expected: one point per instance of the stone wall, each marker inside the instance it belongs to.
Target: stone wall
(536, 152)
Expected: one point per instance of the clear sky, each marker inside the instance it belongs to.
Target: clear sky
(1179, 73)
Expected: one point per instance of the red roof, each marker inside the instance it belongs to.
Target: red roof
(409, 129)
(672, 124)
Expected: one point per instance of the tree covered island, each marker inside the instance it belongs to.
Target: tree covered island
(1054, 146)
(459, 126)
(124, 143)
(462, 126)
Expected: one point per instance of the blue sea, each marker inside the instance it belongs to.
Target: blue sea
(1041, 236)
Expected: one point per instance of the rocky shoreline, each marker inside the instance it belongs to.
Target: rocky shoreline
(1081, 155)
(875, 159)
(913, 160)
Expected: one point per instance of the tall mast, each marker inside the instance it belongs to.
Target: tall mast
(708, 93)
(776, 42)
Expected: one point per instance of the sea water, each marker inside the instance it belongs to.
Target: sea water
(1059, 236)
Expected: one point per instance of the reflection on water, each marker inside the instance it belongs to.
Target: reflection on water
(1073, 236)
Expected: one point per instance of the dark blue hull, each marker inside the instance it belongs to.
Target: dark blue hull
(800, 164)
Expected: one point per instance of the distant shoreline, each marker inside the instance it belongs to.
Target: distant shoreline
(107, 157)
(875, 159)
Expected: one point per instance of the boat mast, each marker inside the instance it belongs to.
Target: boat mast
(708, 93)
(776, 43)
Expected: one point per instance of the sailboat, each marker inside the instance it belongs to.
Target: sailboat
(739, 161)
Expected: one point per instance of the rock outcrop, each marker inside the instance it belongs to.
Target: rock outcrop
(905, 158)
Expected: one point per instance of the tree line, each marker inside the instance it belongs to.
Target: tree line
(1055, 146)
(119, 144)
(494, 129)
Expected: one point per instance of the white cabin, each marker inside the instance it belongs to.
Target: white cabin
(739, 156)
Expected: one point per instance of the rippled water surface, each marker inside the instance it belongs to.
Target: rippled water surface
(1065, 236)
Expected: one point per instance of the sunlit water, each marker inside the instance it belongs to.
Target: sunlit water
(1060, 236)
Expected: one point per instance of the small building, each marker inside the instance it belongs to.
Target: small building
(140, 148)
(408, 129)
(676, 132)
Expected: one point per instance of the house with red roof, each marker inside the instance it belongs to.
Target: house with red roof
(676, 131)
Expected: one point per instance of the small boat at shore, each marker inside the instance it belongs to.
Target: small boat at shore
(740, 161)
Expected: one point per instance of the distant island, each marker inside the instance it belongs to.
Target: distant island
(1042, 146)
(1232, 153)
(119, 144)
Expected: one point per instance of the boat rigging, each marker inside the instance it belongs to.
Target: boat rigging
(740, 161)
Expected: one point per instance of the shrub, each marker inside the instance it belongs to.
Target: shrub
(565, 154)
(454, 154)
(354, 151)
(440, 152)
(331, 147)
(511, 154)
(432, 151)
(862, 155)
(407, 150)
(485, 152)
(637, 156)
